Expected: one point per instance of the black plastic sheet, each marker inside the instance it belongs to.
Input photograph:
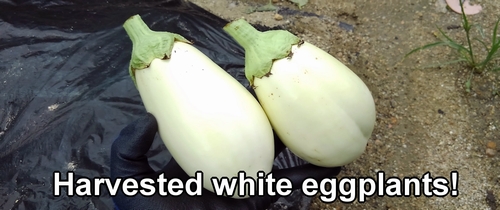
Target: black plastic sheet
(65, 92)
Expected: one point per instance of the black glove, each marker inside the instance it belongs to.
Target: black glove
(128, 159)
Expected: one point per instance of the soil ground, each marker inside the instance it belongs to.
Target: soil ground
(426, 121)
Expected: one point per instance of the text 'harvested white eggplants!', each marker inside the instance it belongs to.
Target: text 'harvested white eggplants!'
(208, 121)
(322, 111)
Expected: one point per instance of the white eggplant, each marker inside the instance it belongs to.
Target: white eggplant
(208, 121)
(321, 110)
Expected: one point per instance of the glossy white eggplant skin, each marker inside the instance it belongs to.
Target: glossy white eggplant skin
(208, 121)
(322, 111)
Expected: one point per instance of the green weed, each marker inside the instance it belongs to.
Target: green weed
(467, 54)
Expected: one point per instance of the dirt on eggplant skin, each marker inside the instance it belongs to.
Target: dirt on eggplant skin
(426, 122)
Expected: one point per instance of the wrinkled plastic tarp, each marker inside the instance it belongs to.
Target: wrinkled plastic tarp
(65, 92)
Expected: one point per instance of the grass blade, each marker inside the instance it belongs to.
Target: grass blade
(480, 30)
(481, 41)
(495, 46)
(450, 42)
(467, 86)
(425, 47)
(495, 30)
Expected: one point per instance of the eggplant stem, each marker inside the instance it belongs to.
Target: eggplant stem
(148, 44)
(261, 48)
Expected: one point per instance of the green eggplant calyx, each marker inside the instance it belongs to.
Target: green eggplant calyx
(148, 44)
(261, 48)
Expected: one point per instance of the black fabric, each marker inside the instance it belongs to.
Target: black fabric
(65, 92)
